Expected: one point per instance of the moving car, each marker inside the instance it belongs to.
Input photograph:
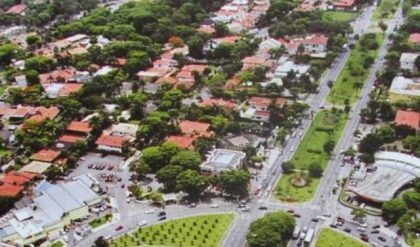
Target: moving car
(118, 228)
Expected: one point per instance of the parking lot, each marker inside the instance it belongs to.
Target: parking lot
(104, 168)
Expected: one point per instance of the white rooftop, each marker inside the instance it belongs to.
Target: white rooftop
(406, 86)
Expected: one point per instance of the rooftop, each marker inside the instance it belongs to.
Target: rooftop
(77, 126)
(113, 141)
(195, 128)
(414, 38)
(409, 118)
(45, 155)
(181, 141)
(223, 159)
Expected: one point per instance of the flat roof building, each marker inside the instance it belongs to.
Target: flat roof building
(54, 207)
(220, 160)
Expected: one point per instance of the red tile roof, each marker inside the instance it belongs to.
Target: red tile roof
(184, 74)
(52, 76)
(218, 102)
(409, 118)
(228, 39)
(343, 3)
(206, 29)
(194, 67)
(70, 138)
(18, 178)
(46, 155)
(7, 190)
(193, 128)
(112, 141)
(260, 101)
(317, 39)
(414, 38)
(43, 113)
(82, 127)
(69, 88)
(181, 141)
(16, 9)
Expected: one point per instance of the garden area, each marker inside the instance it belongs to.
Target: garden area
(346, 89)
(298, 183)
(100, 221)
(333, 238)
(385, 10)
(342, 16)
(204, 231)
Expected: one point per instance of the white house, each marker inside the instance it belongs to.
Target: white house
(407, 61)
(283, 69)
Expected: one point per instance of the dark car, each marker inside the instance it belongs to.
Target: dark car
(291, 211)
(382, 239)
(118, 228)
(315, 220)
(162, 213)
(333, 225)
(374, 232)
(162, 218)
(262, 208)
(299, 242)
(365, 238)
(376, 227)
(297, 215)
(347, 230)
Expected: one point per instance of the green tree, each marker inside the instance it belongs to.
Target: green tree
(167, 176)
(272, 230)
(412, 199)
(221, 29)
(235, 182)
(41, 64)
(287, 167)
(392, 210)
(192, 183)
(315, 170)
(100, 242)
(186, 159)
(32, 77)
(329, 145)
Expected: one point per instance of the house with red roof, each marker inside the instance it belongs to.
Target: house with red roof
(18, 9)
(59, 75)
(186, 75)
(13, 183)
(75, 132)
(182, 141)
(257, 108)
(252, 62)
(46, 155)
(195, 129)
(225, 104)
(409, 118)
(313, 44)
(414, 38)
(111, 143)
(343, 4)
(41, 113)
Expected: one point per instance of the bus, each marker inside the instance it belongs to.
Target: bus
(309, 236)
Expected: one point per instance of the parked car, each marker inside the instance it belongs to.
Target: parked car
(347, 230)
(162, 218)
(375, 232)
(382, 239)
(192, 205)
(142, 223)
(161, 213)
(214, 205)
(118, 228)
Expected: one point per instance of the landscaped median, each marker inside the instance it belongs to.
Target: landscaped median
(314, 150)
(348, 86)
(332, 238)
(101, 221)
(204, 231)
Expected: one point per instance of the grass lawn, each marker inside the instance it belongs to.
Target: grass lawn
(413, 242)
(311, 151)
(333, 238)
(101, 221)
(204, 231)
(385, 10)
(285, 191)
(348, 84)
(57, 244)
(339, 15)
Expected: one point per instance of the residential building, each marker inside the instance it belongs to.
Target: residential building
(46, 155)
(252, 62)
(409, 118)
(407, 61)
(343, 4)
(414, 38)
(195, 129)
(110, 143)
(18, 9)
(404, 88)
(182, 141)
(75, 132)
(124, 130)
(221, 160)
(213, 43)
(13, 183)
(283, 69)
(225, 104)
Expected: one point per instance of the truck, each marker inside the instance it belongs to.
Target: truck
(309, 236)
(296, 232)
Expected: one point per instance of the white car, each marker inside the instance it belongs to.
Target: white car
(150, 211)
(142, 223)
(214, 205)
